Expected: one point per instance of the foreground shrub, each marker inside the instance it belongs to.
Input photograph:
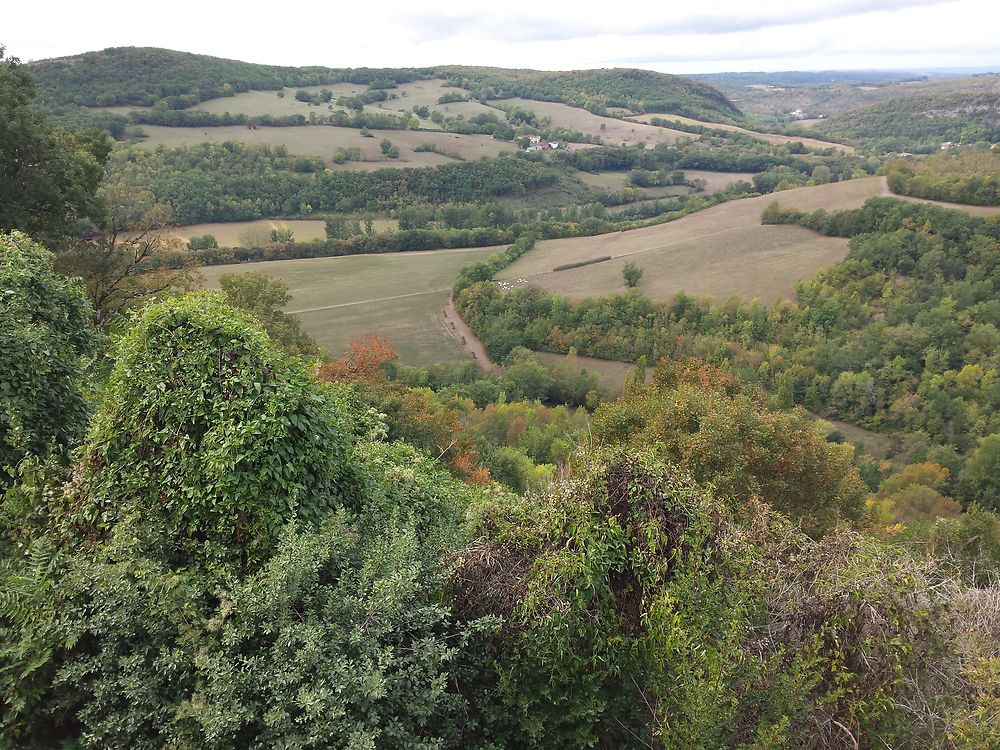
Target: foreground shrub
(639, 612)
(210, 431)
(46, 332)
(239, 561)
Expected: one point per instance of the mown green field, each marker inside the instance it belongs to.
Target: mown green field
(400, 296)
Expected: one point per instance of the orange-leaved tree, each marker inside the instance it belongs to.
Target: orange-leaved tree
(415, 415)
(726, 436)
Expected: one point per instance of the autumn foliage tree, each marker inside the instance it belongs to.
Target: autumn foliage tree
(364, 360)
(725, 435)
(415, 415)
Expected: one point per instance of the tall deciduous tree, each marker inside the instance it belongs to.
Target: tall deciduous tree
(48, 177)
(264, 297)
(980, 477)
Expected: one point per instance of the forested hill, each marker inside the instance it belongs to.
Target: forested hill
(639, 90)
(145, 76)
(921, 123)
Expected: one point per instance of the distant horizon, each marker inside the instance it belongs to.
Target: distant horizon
(727, 36)
(954, 70)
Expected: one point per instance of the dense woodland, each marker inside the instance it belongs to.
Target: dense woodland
(146, 76)
(223, 182)
(966, 177)
(596, 90)
(920, 123)
(215, 535)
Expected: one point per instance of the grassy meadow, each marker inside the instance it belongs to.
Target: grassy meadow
(256, 103)
(614, 133)
(611, 374)
(323, 140)
(230, 234)
(615, 180)
(769, 137)
(715, 181)
(974, 210)
(416, 93)
(400, 296)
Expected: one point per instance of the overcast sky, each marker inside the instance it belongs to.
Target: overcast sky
(674, 37)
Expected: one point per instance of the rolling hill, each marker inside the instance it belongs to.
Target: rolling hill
(720, 252)
(628, 88)
(921, 122)
(147, 76)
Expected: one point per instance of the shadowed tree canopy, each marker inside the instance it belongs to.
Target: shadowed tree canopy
(700, 417)
(264, 297)
(48, 177)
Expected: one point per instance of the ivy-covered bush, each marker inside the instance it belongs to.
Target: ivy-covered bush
(240, 560)
(210, 431)
(46, 330)
(616, 616)
(639, 612)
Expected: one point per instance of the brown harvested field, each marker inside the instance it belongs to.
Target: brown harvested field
(323, 140)
(615, 133)
(769, 137)
(974, 210)
(229, 233)
(721, 251)
(715, 181)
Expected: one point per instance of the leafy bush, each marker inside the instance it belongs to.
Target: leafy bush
(46, 325)
(212, 433)
(639, 613)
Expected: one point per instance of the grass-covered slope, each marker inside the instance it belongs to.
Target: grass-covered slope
(642, 90)
(144, 76)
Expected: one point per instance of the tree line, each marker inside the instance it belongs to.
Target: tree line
(901, 337)
(971, 177)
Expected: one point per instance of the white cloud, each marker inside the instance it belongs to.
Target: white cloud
(560, 34)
